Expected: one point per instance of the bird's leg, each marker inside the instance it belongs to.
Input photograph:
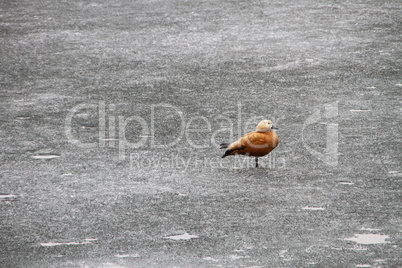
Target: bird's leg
(256, 162)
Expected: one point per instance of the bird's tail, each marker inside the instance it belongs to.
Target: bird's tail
(224, 145)
(228, 152)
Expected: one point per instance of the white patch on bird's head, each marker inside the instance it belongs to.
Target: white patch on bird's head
(264, 126)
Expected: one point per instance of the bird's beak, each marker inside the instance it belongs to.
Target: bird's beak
(273, 127)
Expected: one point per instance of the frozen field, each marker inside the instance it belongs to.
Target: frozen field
(111, 112)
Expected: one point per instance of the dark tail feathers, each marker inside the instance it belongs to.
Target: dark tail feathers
(228, 152)
(224, 145)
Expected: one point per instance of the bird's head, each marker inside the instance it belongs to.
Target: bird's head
(264, 126)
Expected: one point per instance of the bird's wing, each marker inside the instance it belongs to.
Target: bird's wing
(235, 145)
(233, 148)
(253, 139)
(248, 140)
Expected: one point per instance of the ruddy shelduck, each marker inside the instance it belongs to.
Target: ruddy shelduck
(257, 143)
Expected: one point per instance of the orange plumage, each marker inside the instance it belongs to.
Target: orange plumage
(257, 143)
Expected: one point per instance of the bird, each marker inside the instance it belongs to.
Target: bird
(257, 143)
